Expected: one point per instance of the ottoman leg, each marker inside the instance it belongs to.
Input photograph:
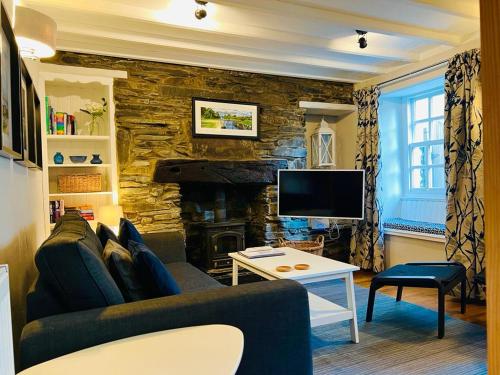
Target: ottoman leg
(371, 302)
(440, 313)
(400, 293)
(463, 295)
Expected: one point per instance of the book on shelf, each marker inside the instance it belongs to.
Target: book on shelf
(59, 123)
(56, 210)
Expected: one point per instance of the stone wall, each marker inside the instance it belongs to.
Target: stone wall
(153, 118)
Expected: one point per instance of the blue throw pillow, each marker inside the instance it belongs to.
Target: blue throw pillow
(154, 275)
(128, 232)
(105, 233)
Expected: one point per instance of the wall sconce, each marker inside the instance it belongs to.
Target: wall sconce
(201, 11)
(323, 146)
(35, 33)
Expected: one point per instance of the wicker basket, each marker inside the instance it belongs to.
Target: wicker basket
(79, 183)
(313, 247)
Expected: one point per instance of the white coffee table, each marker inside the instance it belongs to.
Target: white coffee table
(212, 349)
(322, 311)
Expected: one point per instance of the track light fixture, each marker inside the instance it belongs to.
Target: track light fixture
(201, 11)
(362, 39)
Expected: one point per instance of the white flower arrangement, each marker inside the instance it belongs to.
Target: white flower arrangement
(95, 109)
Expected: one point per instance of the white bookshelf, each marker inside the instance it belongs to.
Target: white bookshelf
(68, 90)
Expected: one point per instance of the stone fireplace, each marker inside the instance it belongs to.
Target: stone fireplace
(227, 206)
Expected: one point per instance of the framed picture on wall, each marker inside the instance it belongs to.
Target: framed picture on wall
(225, 119)
(38, 129)
(11, 143)
(27, 120)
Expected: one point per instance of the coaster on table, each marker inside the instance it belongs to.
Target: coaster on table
(302, 266)
(283, 268)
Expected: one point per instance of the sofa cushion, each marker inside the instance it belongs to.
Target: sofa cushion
(128, 232)
(154, 275)
(121, 266)
(104, 233)
(191, 279)
(70, 263)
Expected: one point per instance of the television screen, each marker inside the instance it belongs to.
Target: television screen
(336, 194)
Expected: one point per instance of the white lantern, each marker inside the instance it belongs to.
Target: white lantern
(323, 146)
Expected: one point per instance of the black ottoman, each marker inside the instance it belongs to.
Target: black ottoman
(441, 275)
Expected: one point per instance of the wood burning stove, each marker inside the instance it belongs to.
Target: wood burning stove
(219, 239)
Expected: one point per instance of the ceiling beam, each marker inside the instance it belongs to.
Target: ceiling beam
(201, 47)
(128, 49)
(290, 9)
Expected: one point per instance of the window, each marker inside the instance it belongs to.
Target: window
(426, 143)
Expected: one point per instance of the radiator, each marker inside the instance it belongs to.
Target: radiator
(6, 346)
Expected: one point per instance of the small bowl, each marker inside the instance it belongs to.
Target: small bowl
(78, 159)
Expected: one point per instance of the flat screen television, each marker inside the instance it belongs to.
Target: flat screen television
(320, 193)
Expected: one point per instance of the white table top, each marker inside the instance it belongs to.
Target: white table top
(210, 350)
(319, 266)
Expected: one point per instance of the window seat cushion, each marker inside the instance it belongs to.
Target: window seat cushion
(414, 226)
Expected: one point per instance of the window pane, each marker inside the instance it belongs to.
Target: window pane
(436, 178)
(418, 178)
(437, 130)
(436, 154)
(418, 156)
(437, 105)
(421, 109)
(420, 131)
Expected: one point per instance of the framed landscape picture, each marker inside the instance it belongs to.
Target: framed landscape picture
(225, 119)
(11, 143)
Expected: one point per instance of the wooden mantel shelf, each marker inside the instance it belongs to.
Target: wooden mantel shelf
(327, 109)
(218, 171)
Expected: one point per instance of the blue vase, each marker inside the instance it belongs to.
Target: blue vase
(58, 158)
(96, 159)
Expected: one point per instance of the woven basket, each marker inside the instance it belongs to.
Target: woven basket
(313, 247)
(79, 183)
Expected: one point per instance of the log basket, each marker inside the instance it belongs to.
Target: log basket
(313, 247)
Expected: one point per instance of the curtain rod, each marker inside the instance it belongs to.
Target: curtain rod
(430, 67)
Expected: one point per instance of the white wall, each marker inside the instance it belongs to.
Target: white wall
(21, 227)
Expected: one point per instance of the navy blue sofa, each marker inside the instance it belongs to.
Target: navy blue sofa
(273, 315)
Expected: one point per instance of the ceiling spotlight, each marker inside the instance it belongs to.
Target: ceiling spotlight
(362, 39)
(201, 12)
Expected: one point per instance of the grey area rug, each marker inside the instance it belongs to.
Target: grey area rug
(401, 339)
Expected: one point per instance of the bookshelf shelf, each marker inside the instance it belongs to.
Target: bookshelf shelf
(80, 194)
(83, 165)
(52, 137)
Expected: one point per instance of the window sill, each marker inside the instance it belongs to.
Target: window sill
(416, 235)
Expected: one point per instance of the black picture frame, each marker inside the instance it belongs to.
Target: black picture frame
(38, 129)
(218, 106)
(28, 124)
(11, 143)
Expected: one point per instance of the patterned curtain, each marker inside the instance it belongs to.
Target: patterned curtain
(367, 241)
(464, 166)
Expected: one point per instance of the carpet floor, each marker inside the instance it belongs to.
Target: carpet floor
(401, 339)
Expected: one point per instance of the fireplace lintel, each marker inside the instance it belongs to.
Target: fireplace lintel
(219, 171)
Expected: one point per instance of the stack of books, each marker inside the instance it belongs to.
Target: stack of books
(59, 123)
(86, 211)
